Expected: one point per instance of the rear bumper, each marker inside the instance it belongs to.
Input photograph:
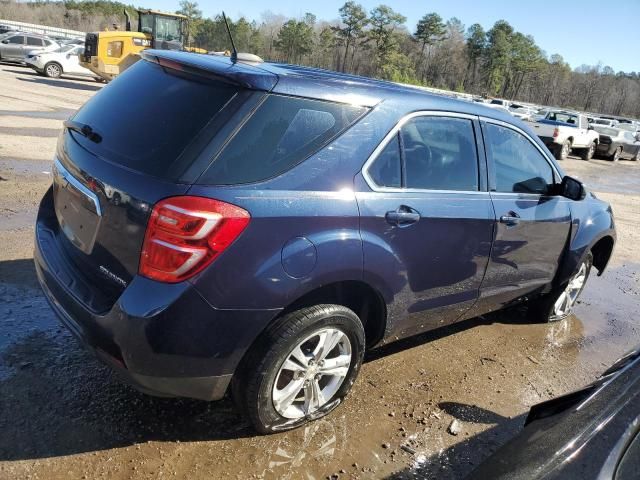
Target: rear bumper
(164, 339)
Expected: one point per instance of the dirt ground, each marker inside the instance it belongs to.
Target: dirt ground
(64, 416)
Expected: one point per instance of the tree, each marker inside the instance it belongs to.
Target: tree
(429, 30)
(295, 40)
(194, 14)
(476, 44)
(354, 18)
(498, 55)
(384, 21)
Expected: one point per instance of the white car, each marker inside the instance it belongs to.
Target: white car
(522, 112)
(64, 60)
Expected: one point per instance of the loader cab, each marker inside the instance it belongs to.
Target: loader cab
(167, 31)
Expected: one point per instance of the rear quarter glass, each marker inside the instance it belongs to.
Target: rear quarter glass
(149, 115)
(280, 134)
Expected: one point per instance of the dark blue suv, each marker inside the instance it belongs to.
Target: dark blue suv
(221, 226)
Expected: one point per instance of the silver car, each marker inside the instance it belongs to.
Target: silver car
(14, 47)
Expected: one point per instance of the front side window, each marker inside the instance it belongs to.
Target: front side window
(519, 166)
(17, 40)
(283, 132)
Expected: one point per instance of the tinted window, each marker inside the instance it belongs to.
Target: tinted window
(440, 154)
(385, 170)
(283, 132)
(34, 41)
(519, 165)
(149, 115)
(16, 40)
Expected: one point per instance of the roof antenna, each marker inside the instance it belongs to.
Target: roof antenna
(234, 52)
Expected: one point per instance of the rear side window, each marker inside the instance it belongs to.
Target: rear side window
(519, 165)
(282, 132)
(34, 41)
(438, 153)
(149, 115)
(386, 170)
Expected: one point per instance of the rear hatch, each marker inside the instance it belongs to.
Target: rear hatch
(125, 150)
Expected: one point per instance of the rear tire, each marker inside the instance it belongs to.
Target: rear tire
(53, 70)
(558, 304)
(587, 153)
(616, 155)
(636, 158)
(277, 398)
(562, 151)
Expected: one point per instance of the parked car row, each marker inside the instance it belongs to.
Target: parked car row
(48, 56)
(587, 135)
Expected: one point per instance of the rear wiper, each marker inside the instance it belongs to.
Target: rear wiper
(83, 129)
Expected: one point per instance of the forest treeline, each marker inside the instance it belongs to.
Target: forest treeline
(437, 52)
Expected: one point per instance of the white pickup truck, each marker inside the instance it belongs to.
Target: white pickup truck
(563, 131)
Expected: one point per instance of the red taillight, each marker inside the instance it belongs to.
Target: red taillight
(556, 132)
(185, 234)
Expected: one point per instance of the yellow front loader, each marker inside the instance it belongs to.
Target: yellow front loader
(110, 53)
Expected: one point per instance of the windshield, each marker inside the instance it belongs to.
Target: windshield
(165, 110)
(563, 117)
(168, 29)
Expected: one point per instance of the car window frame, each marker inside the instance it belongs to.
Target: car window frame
(479, 147)
(491, 168)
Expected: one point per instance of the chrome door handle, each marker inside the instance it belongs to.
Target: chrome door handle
(402, 217)
(510, 219)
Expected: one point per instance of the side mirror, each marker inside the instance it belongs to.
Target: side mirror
(572, 189)
(5, 41)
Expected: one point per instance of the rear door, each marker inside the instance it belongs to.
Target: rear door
(532, 225)
(427, 220)
(33, 44)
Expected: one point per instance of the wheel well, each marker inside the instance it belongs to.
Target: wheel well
(570, 140)
(366, 302)
(601, 252)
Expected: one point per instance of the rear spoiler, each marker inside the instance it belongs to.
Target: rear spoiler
(214, 67)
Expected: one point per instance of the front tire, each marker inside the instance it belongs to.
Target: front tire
(301, 368)
(558, 304)
(52, 70)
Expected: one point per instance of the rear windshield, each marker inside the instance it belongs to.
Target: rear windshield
(282, 132)
(149, 115)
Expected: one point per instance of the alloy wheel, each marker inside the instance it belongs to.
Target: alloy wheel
(53, 70)
(565, 150)
(312, 373)
(567, 299)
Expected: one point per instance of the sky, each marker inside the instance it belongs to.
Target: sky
(582, 31)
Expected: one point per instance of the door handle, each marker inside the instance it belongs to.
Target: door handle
(510, 219)
(402, 217)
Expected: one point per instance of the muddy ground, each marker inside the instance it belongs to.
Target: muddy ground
(65, 416)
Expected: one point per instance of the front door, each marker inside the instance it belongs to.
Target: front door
(427, 221)
(532, 226)
(13, 48)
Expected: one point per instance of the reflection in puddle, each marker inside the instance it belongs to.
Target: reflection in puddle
(314, 445)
